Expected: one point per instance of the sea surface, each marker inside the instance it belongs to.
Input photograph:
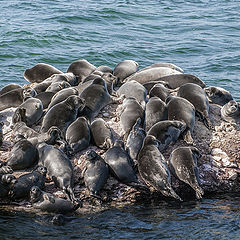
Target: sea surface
(201, 37)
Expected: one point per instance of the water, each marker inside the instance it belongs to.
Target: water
(202, 37)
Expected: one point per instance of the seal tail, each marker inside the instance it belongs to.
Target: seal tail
(171, 193)
(206, 120)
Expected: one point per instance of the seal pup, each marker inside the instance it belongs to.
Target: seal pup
(40, 72)
(95, 173)
(15, 97)
(124, 69)
(183, 164)
(101, 134)
(78, 135)
(163, 64)
(135, 140)
(182, 110)
(6, 183)
(120, 164)
(1, 133)
(81, 68)
(9, 87)
(26, 181)
(153, 168)
(218, 95)
(230, 112)
(23, 155)
(167, 132)
(47, 202)
(134, 89)
(129, 112)
(160, 91)
(59, 168)
(156, 110)
(197, 96)
(63, 114)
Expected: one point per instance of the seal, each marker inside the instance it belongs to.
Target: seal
(47, 202)
(151, 84)
(66, 77)
(163, 64)
(120, 164)
(78, 135)
(183, 164)
(45, 98)
(40, 72)
(15, 97)
(167, 132)
(23, 155)
(57, 86)
(9, 87)
(160, 91)
(20, 128)
(32, 113)
(60, 170)
(111, 82)
(197, 96)
(25, 182)
(62, 114)
(95, 173)
(1, 133)
(182, 110)
(130, 111)
(104, 69)
(134, 89)
(101, 134)
(230, 112)
(153, 169)
(6, 183)
(81, 69)
(124, 69)
(156, 110)
(41, 87)
(218, 95)
(96, 97)
(135, 140)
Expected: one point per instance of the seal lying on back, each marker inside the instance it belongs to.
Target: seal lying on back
(26, 181)
(95, 173)
(40, 72)
(183, 163)
(153, 168)
(230, 112)
(9, 87)
(47, 202)
(63, 114)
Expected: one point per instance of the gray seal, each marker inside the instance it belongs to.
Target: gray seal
(230, 112)
(124, 69)
(153, 168)
(182, 110)
(40, 72)
(167, 132)
(15, 97)
(47, 202)
(7, 181)
(78, 135)
(95, 173)
(183, 163)
(134, 89)
(156, 110)
(101, 134)
(218, 95)
(197, 96)
(9, 87)
(25, 182)
(63, 114)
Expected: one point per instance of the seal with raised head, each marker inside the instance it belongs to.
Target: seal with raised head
(47, 202)
(26, 181)
(9, 87)
(218, 95)
(183, 164)
(15, 97)
(40, 72)
(7, 181)
(182, 110)
(101, 134)
(63, 114)
(197, 96)
(156, 110)
(23, 155)
(153, 168)
(167, 132)
(230, 112)
(134, 89)
(60, 170)
(95, 173)
(78, 135)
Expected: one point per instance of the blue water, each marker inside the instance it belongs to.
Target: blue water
(202, 37)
